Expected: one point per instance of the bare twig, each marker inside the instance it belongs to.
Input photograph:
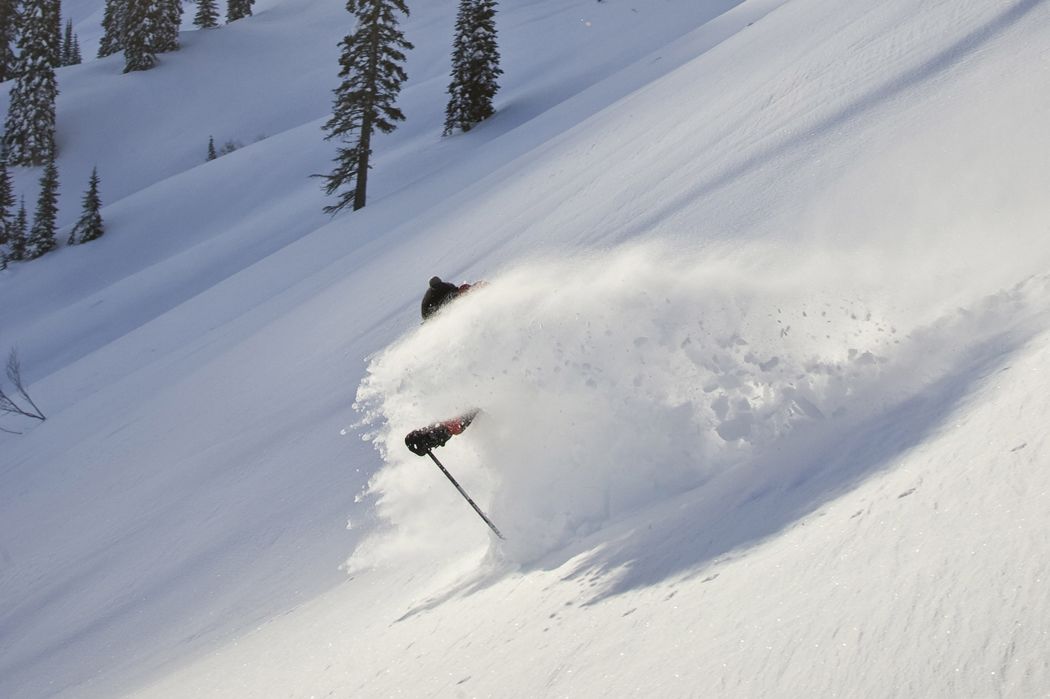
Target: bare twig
(7, 404)
(14, 373)
(9, 407)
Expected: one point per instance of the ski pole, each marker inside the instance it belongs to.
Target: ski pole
(464, 494)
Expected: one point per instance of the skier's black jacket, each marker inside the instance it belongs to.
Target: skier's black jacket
(440, 293)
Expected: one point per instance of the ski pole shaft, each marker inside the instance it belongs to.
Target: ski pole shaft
(465, 496)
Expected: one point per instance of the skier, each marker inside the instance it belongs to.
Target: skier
(440, 292)
(421, 441)
(425, 440)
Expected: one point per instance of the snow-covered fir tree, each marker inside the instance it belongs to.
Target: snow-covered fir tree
(67, 43)
(89, 227)
(113, 28)
(475, 66)
(365, 102)
(42, 235)
(70, 46)
(169, 22)
(238, 9)
(212, 155)
(16, 234)
(7, 198)
(150, 27)
(207, 14)
(8, 37)
(54, 14)
(141, 27)
(29, 130)
(7, 204)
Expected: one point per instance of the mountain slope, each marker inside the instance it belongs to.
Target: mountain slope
(729, 456)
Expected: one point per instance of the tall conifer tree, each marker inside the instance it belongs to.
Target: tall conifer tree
(29, 130)
(70, 46)
(238, 9)
(113, 28)
(16, 238)
(42, 235)
(475, 66)
(7, 203)
(141, 29)
(90, 226)
(169, 21)
(7, 200)
(365, 102)
(67, 44)
(9, 20)
(207, 14)
(54, 15)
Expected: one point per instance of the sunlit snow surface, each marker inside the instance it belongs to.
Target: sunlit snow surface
(762, 361)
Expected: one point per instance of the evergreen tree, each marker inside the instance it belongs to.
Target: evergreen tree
(67, 44)
(238, 9)
(365, 101)
(169, 21)
(7, 202)
(42, 235)
(9, 19)
(475, 66)
(207, 14)
(70, 46)
(29, 130)
(53, 8)
(212, 155)
(141, 29)
(90, 226)
(16, 235)
(113, 28)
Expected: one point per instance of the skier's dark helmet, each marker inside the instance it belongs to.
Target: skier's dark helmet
(438, 294)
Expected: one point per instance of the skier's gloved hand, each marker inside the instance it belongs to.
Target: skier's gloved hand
(421, 441)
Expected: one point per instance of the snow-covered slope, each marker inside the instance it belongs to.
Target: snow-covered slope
(761, 358)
